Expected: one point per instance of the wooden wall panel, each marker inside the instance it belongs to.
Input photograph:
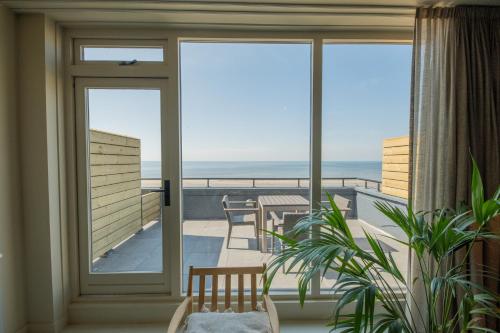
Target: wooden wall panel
(115, 171)
(395, 166)
(150, 207)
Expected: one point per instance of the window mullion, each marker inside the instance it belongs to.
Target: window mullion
(316, 107)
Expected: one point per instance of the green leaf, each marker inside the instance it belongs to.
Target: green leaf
(477, 194)
(366, 276)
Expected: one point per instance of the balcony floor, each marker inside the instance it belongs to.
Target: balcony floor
(204, 243)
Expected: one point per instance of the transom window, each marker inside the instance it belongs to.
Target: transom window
(125, 52)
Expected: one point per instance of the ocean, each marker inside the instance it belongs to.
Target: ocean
(271, 169)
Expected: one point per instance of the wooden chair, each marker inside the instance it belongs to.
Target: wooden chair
(240, 213)
(186, 307)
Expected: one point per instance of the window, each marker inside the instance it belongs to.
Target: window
(245, 135)
(120, 51)
(365, 116)
(94, 53)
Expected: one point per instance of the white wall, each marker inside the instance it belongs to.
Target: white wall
(12, 295)
(32, 267)
(38, 126)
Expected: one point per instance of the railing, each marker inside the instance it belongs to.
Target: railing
(263, 182)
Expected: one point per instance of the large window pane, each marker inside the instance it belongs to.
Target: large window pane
(124, 138)
(109, 53)
(365, 137)
(245, 134)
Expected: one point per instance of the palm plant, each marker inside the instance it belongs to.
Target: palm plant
(370, 277)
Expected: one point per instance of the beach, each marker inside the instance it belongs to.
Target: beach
(263, 173)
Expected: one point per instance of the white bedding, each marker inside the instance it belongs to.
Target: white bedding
(214, 322)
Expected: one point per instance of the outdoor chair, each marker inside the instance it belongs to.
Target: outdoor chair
(206, 317)
(240, 213)
(285, 227)
(343, 204)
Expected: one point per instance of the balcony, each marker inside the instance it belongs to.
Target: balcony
(125, 210)
(205, 227)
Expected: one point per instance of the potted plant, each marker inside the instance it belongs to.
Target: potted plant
(367, 277)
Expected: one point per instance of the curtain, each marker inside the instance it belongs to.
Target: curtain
(455, 113)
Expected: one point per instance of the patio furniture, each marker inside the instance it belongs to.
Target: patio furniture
(286, 225)
(240, 213)
(343, 204)
(186, 307)
(283, 203)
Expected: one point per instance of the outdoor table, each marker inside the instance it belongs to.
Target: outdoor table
(281, 203)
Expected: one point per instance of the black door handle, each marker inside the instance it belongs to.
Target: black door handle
(166, 192)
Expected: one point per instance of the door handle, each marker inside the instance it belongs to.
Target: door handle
(166, 192)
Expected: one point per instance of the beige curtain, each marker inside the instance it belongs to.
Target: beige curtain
(455, 109)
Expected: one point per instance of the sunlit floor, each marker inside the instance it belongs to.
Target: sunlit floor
(204, 244)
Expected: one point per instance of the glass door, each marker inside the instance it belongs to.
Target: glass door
(124, 184)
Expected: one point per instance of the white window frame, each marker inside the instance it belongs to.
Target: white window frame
(315, 123)
(116, 282)
(315, 306)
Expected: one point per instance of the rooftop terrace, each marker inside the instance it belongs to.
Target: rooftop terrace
(205, 239)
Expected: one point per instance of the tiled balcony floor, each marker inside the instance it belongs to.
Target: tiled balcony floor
(204, 243)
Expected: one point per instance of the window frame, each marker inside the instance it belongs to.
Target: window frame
(284, 293)
(116, 282)
(169, 69)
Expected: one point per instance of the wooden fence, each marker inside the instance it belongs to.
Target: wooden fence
(395, 161)
(115, 170)
(150, 207)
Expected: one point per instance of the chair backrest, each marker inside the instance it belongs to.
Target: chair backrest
(343, 204)
(214, 272)
(290, 220)
(225, 204)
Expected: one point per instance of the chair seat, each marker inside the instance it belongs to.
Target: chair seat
(257, 322)
(243, 219)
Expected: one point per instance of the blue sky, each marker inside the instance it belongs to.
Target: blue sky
(366, 98)
(244, 102)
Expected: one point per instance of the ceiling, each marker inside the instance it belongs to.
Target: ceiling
(275, 14)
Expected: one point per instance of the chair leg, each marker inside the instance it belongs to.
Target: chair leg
(282, 248)
(273, 239)
(229, 230)
(272, 244)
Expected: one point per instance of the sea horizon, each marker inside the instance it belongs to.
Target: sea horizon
(268, 169)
